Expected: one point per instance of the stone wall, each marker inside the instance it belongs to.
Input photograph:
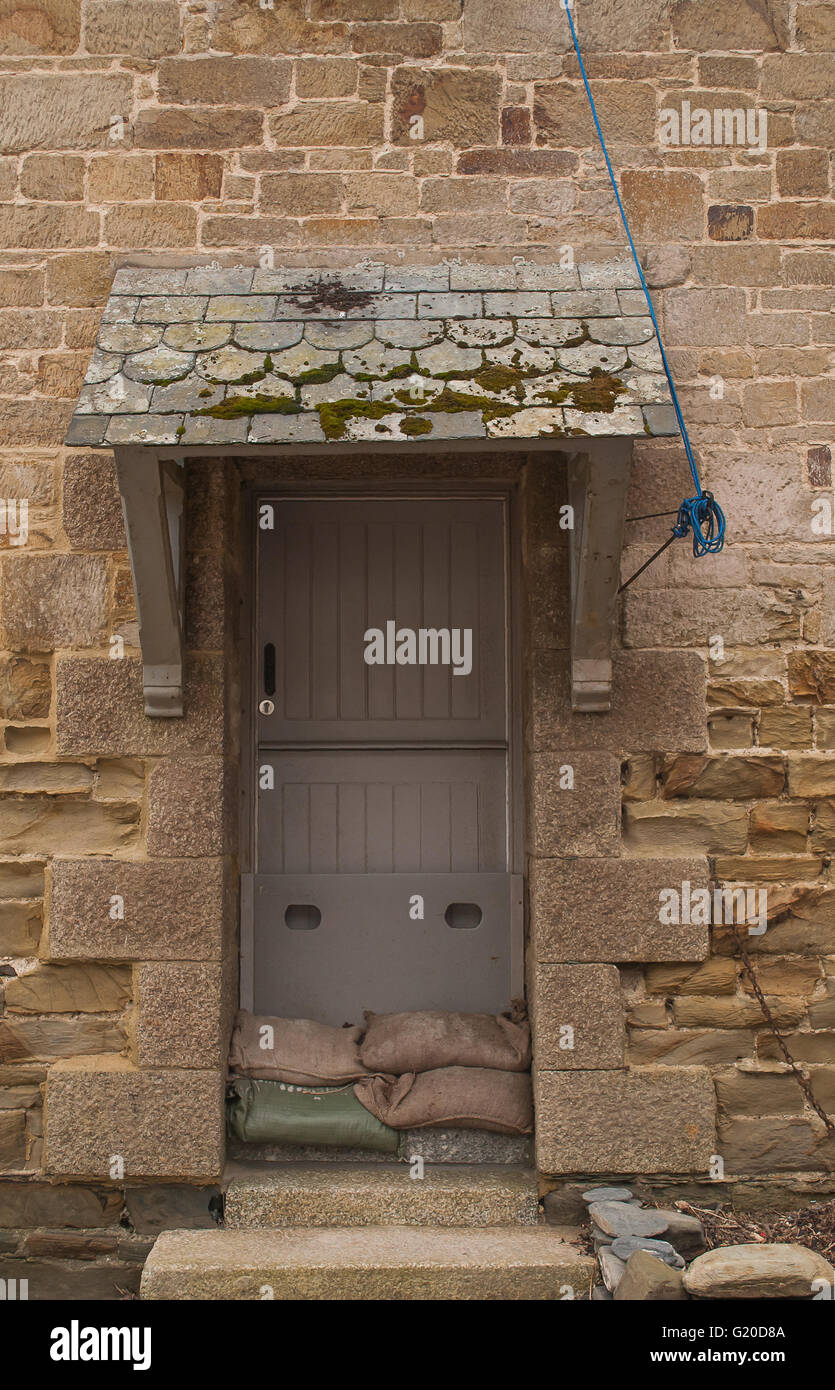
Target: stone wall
(321, 132)
(692, 778)
(117, 918)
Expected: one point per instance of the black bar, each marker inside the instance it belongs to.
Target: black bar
(269, 668)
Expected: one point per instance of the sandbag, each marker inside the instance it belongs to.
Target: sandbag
(416, 1042)
(467, 1097)
(270, 1112)
(304, 1053)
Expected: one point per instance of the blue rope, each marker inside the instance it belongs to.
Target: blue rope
(701, 514)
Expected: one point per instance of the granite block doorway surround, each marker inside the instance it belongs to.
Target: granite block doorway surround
(168, 913)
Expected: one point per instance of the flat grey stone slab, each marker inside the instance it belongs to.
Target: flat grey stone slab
(624, 1219)
(607, 1194)
(391, 1263)
(625, 1246)
(611, 1267)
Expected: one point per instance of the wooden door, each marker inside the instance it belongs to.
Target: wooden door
(382, 875)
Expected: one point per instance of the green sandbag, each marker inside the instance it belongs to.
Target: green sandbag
(270, 1112)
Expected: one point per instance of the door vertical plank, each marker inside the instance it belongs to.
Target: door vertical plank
(352, 606)
(293, 647)
(324, 673)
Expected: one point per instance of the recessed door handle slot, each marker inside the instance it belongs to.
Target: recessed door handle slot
(463, 916)
(302, 917)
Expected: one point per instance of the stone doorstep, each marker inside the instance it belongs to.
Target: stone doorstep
(309, 1195)
(394, 1263)
(466, 1146)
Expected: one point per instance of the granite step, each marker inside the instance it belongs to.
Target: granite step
(432, 1145)
(313, 1194)
(390, 1263)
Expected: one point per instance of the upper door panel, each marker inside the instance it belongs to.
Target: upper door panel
(428, 577)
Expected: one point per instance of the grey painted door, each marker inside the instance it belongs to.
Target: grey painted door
(382, 812)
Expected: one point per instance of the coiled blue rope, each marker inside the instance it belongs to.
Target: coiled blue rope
(701, 515)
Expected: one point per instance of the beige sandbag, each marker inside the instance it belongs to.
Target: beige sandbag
(466, 1097)
(299, 1050)
(401, 1043)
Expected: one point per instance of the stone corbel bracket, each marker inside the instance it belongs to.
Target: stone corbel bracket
(152, 502)
(597, 488)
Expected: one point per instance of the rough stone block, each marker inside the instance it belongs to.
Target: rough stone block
(197, 128)
(207, 601)
(151, 224)
(342, 124)
(163, 1207)
(21, 878)
(60, 110)
(50, 778)
(575, 804)
(811, 775)
(679, 618)
(118, 178)
(80, 279)
(25, 688)
(69, 989)
(455, 105)
(24, 1039)
(531, 26)
(774, 1144)
(685, 827)
(608, 910)
(636, 27)
(172, 911)
(12, 1139)
(54, 601)
(41, 1204)
(758, 1093)
(72, 1281)
(688, 1047)
(664, 205)
(161, 1123)
(53, 27)
(655, 1120)
(140, 28)
(261, 82)
(711, 25)
(20, 928)
(53, 178)
(63, 825)
(185, 175)
(91, 506)
(588, 1000)
(190, 808)
(657, 704)
(561, 113)
(704, 318)
(100, 709)
(815, 26)
(802, 173)
(181, 1019)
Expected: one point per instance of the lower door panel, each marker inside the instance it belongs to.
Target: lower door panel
(328, 946)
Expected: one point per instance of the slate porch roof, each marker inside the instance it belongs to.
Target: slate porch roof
(383, 354)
